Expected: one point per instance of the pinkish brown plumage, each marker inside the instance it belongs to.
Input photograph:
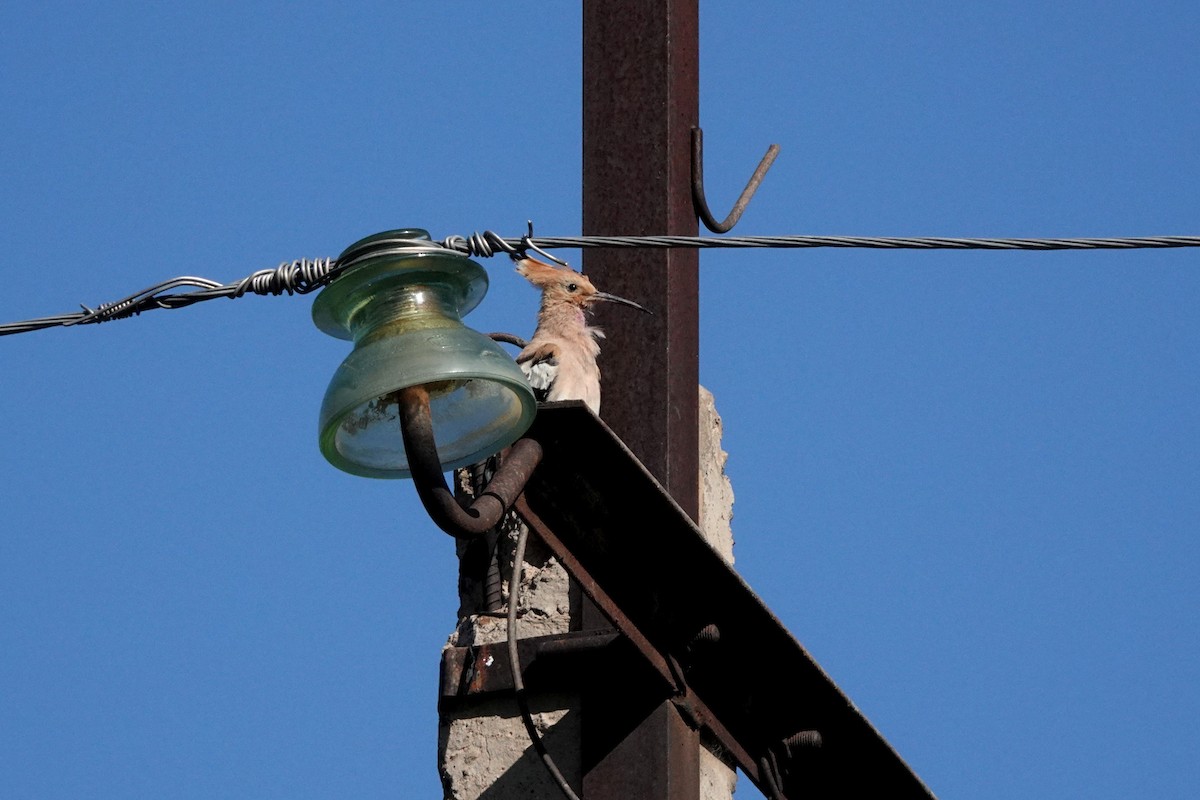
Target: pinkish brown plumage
(560, 359)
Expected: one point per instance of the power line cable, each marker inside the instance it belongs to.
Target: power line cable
(304, 275)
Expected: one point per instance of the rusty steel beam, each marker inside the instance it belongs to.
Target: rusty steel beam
(715, 652)
(651, 751)
(547, 662)
(640, 103)
(666, 677)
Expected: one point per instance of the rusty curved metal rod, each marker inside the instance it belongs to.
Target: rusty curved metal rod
(698, 199)
(508, 338)
(416, 426)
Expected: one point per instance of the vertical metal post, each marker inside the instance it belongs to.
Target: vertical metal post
(640, 102)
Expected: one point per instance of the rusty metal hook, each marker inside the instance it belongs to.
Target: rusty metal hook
(701, 204)
(416, 428)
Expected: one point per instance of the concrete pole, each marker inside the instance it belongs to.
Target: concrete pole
(484, 751)
(640, 103)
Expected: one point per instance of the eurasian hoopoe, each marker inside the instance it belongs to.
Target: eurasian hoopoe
(560, 359)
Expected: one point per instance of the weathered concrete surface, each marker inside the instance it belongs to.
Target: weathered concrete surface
(716, 491)
(487, 755)
(484, 750)
(717, 776)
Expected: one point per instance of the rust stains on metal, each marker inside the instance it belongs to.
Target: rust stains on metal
(739, 207)
(416, 424)
(718, 652)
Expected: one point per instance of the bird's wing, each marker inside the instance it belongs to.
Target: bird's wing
(539, 362)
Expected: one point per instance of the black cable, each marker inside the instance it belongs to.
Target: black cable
(304, 275)
(514, 662)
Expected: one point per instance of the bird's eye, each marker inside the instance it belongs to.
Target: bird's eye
(571, 287)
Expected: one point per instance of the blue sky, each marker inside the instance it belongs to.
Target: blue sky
(967, 482)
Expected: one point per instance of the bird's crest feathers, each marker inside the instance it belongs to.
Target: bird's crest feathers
(558, 283)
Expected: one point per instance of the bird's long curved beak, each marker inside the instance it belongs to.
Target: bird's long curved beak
(612, 298)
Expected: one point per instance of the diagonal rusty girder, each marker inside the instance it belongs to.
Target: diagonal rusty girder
(721, 657)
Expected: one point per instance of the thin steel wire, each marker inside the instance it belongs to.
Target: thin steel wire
(872, 242)
(304, 275)
(291, 277)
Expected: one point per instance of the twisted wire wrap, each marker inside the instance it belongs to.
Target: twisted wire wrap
(291, 277)
(482, 245)
(307, 275)
(870, 242)
(296, 277)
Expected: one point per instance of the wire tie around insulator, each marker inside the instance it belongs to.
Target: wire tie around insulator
(479, 245)
(527, 244)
